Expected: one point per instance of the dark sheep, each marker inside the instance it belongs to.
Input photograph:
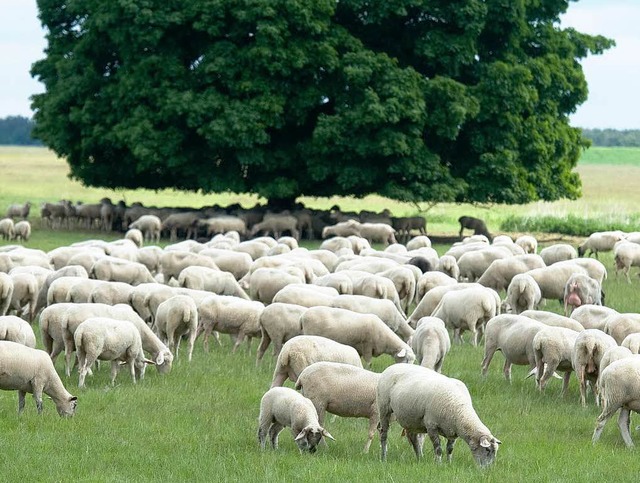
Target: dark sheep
(422, 263)
(478, 226)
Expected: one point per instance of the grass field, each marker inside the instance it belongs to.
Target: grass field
(199, 422)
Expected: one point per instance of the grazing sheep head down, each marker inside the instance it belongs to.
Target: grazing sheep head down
(68, 407)
(405, 356)
(164, 360)
(484, 450)
(309, 438)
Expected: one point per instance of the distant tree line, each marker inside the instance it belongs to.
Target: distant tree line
(16, 130)
(613, 137)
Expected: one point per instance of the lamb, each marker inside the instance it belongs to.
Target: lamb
(342, 389)
(592, 316)
(431, 343)
(581, 289)
(369, 335)
(19, 211)
(109, 340)
(6, 292)
(30, 370)
(282, 407)
(621, 325)
(467, 309)
(177, 317)
(216, 281)
(600, 242)
(513, 335)
(553, 348)
(553, 319)
(279, 322)
(22, 231)
(632, 342)
(499, 274)
(303, 350)
(528, 243)
(424, 401)
(619, 388)
(448, 265)
(430, 280)
(523, 293)
(558, 253)
(7, 229)
(588, 350)
(17, 330)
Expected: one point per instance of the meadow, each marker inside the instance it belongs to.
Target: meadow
(199, 422)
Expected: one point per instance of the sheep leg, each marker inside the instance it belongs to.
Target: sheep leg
(539, 372)
(565, 382)
(239, 341)
(383, 427)
(607, 412)
(262, 348)
(274, 431)
(279, 378)
(583, 386)
(83, 366)
(507, 370)
(190, 345)
(68, 351)
(488, 355)
(416, 442)
(548, 373)
(450, 443)
(623, 424)
(437, 447)
(456, 336)
(114, 372)
(37, 396)
(21, 395)
(56, 350)
(373, 423)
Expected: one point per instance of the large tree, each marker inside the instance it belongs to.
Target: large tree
(417, 100)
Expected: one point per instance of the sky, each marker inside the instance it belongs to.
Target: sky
(614, 98)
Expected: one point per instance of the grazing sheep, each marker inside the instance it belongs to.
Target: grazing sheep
(430, 280)
(305, 295)
(613, 354)
(303, 350)
(172, 262)
(553, 278)
(424, 401)
(600, 242)
(335, 244)
(7, 229)
(339, 281)
(418, 242)
(25, 293)
(265, 283)
(19, 211)
(68, 271)
(22, 231)
(619, 326)
(276, 224)
(581, 289)
(626, 255)
(523, 293)
(467, 309)
(109, 340)
(513, 335)
(30, 370)
(17, 330)
(619, 388)
(211, 280)
(553, 349)
(279, 322)
(404, 279)
(431, 299)
(632, 342)
(448, 265)
(282, 407)
(475, 263)
(499, 274)
(177, 317)
(553, 319)
(111, 293)
(592, 316)
(431, 343)
(528, 243)
(342, 389)
(588, 350)
(373, 286)
(558, 253)
(342, 229)
(136, 236)
(114, 269)
(378, 233)
(478, 226)
(6, 292)
(223, 224)
(236, 263)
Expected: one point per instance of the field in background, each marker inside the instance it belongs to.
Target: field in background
(610, 179)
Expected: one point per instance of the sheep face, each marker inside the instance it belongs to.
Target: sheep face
(163, 361)
(484, 450)
(405, 355)
(309, 438)
(67, 408)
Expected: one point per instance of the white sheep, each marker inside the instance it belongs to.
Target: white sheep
(234, 262)
(68, 271)
(448, 265)
(111, 293)
(339, 281)
(172, 262)
(373, 286)
(177, 317)
(467, 309)
(265, 283)
(592, 316)
(632, 342)
(341, 389)
(136, 236)
(432, 298)
(553, 319)
(473, 264)
(303, 350)
(212, 280)
(620, 326)
(7, 229)
(558, 253)
(109, 340)
(588, 350)
(600, 242)
(22, 231)
(150, 226)
(404, 279)
(25, 293)
(553, 278)
(118, 270)
(528, 243)
(523, 293)
(553, 349)
(30, 370)
(619, 389)
(430, 280)
(336, 243)
(499, 274)
(424, 401)
(626, 255)
(279, 322)
(17, 330)
(6, 292)
(282, 407)
(418, 242)
(581, 289)
(305, 295)
(613, 354)
(431, 342)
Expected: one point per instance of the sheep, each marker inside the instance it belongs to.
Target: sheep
(136, 236)
(7, 229)
(19, 211)
(341, 389)
(523, 293)
(431, 343)
(404, 279)
(277, 224)
(265, 283)
(553, 319)
(619, 326)
(619, 388)
(305, 295)
(581, 289)
(279, 322)
(473, 264)
(424, 401)
(632, 342)
(478, 226)
(118, 270)
(513, 335)
(68, 271)
(592, 316)
(230, 315)
(30, 370)
(17, 330)
(369, 335)
(378, 232)
(430, 280)
(177, 317)
(553, 348)
(236, 263)
(111, 293)
(373, 286)
(431, 300)
(222, 224)
(342, 229)
(339, 281)
(467, 309)
(209, 279)
(600, 242)
(613, 354)
(448, 265)
(25, 293)
(336, 243)
(553, 278)
(109, 340)
(22, 231)
(528, 243)
(626, 255)
(6, 292)
(172, 262)
(558, 253)
(595, 268)
(254, 248)
(80, 291)
(303, 350)
(588, 350)
(499, 274)
(282, 407)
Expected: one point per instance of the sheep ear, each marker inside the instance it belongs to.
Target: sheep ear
(326, 434)
(148, 361)
(497, 441)
(402, 353)
(484, 442)
(301, 435)
(160, 359)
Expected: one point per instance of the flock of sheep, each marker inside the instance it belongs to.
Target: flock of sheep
(325, 311)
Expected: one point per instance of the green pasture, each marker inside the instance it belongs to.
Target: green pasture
(199, 422)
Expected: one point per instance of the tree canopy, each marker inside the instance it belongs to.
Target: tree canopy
(417, 100)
